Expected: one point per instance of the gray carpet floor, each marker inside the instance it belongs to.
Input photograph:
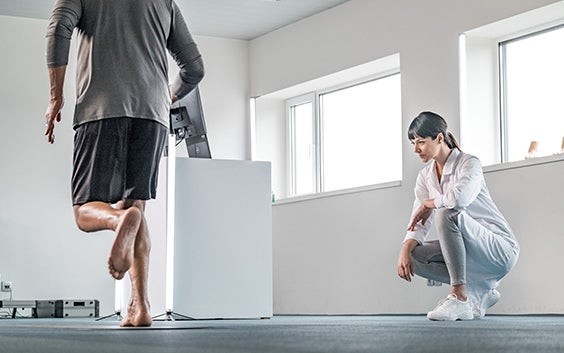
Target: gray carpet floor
(341, 334)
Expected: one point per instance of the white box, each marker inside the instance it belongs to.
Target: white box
(222, 239)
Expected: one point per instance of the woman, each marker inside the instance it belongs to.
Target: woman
(476, 247)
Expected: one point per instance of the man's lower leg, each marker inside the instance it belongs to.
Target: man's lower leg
(138, 313)
(96, 216)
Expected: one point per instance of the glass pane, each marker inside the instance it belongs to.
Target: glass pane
(362, 138)
(304, 162)
(534, 93)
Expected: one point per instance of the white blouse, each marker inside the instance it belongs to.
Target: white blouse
(462, 187)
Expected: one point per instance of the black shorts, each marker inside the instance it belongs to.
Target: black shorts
(117, 159)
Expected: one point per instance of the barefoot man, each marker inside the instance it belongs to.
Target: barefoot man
(121, 118)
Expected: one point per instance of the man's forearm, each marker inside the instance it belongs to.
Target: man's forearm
(56, 100)
(56, 81)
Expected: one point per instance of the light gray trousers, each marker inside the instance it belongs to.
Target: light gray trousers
(466, 253)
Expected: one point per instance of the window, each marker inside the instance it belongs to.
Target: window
(302, 148)
(345, 137)
(532, 76)
(509, 71)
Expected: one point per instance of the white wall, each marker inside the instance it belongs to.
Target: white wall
(271, 140)
(531, 200)
(338, 254)
(41, 251)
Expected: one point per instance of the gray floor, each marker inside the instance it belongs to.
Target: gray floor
(340, 334)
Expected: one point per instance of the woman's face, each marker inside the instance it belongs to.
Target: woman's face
(427, 148)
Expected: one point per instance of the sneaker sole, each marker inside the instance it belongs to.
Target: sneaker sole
(488, 303)
(492, 299)
(464, 317)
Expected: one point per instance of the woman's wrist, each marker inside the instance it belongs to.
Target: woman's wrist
(409, 245)
(430, 203)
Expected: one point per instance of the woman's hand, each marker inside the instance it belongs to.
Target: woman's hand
(405, 266)
(405, 263)
(422, 214)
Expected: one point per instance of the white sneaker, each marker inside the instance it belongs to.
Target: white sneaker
(451, 309)
(488, 300)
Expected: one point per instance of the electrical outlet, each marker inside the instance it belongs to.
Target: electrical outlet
(5, 286)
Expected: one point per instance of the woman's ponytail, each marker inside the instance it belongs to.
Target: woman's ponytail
(451, 141)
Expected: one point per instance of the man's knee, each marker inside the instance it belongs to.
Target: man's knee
(76, 212)
(127, 203)
(78, 219)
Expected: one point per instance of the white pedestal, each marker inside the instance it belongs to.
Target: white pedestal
(222, 259)
(222, 239)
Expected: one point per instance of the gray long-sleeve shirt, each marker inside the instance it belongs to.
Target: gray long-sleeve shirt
(122, 67)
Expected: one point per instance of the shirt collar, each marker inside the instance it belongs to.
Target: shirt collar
(451, 161)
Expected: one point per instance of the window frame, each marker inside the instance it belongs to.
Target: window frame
(290, 140)
(502, 68)
(318, 139)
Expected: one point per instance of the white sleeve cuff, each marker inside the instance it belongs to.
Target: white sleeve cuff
(415, 236)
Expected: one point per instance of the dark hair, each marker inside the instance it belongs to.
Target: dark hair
(429, 124)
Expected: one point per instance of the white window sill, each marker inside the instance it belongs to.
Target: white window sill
(558, 157)
(321, 195)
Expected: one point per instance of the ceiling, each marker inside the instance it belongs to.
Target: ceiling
(236, 19)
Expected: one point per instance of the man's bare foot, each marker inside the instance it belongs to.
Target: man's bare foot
(138, 315)
(121, 254)
(125, 322)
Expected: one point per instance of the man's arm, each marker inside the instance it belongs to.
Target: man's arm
(62, 22)
(185, 52)
(56, 100)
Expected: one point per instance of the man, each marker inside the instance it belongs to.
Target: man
(120, 119)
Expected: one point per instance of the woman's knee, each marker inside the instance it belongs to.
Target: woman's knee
(424, 268)
(445, 217)
(417, 255)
